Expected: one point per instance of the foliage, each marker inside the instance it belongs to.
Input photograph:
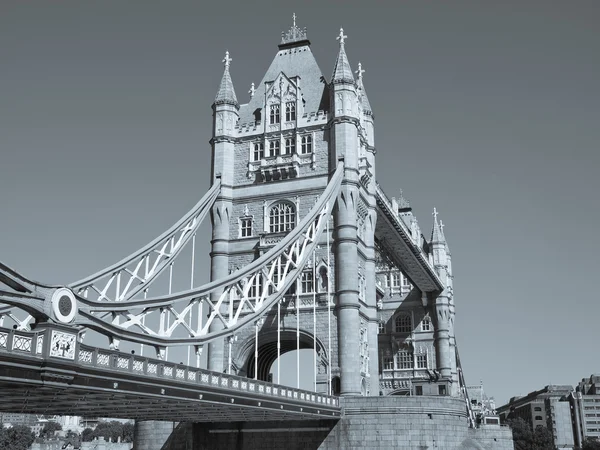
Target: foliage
(19, 437)
(86, 435)
(50, 429)
(527, 439)
(591, 444)
(112, 430)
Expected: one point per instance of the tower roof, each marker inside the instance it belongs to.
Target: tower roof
(364, 101)
(226, 93)
(296, 61)
(436, 233)
(294, 37)
(342, 73)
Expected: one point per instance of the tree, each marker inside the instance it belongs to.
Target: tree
(109, 430)
(50, 429)
(527, 439)
(591, 444)
(87, 435)
(19, 437)
(127, 432)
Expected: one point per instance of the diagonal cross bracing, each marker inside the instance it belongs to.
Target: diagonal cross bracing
(125, 279)
(245, 295)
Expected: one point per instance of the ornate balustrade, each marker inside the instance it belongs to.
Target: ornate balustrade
(52, 342)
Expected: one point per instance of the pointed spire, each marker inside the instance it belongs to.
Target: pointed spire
(226, 93)
(436, 233)
(366, 106)
(342, 73)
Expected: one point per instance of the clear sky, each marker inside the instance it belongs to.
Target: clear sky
(489, 111)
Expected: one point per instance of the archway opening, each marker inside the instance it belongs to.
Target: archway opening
(297, 358)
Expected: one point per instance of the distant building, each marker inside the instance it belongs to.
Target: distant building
(549, 407)
(585, 408)
(18, 419)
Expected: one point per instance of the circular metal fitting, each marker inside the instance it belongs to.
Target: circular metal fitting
(64, 305)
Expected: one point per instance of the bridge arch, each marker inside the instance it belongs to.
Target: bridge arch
(267, 351)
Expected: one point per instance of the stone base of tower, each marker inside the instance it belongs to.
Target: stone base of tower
(155, 435)
(392, 422)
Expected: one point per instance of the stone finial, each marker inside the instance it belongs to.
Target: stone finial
(252, 90)
(294, 34)
(360, 71)
(341, 36)
(227, 60)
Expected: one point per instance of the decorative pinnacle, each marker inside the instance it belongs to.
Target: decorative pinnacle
(294, 19)
(252, 90)
(360, 72)
(294, 34)
(441, 226)
(435, 213)
(341, 37)
(227, 60)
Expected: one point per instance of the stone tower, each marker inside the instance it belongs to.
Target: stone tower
(274, 156)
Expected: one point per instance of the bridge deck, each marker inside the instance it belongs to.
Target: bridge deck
(115, 384)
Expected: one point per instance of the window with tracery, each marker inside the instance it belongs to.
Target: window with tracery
(426, 324)
(274, 148)
(282, 218)
(381, 327)
(290, 146)
(404, 359)
(307, 282)
(403, 324)
(274, 116)
(290, 111)
(246, 227)
(259, 151)
(306, 144)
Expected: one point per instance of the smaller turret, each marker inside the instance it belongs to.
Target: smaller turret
(225, 117)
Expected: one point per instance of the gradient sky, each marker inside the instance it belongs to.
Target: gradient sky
(489, 111)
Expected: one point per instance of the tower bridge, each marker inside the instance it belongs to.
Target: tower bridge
(307, 252)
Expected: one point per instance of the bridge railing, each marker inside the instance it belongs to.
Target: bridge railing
(37, 344)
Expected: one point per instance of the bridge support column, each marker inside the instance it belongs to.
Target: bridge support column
(346, 268)
(219, 268)
(152, 434)
(442, 337)
(373, 323)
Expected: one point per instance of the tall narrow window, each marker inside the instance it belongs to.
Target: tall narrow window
(290, 111)
(259, 151)
(396, 280)
(306, 144)
(403, 324)
(274, 148)
(246, 227)
(282, 217)
(256, 288)
(405, 281)
(274, 114)
(422, 361)
(307, 282)
(290, 146)
(381, 327)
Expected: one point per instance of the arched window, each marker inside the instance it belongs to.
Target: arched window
(403, 324)
(282, 217)
(306, 146)
(274, 114)
(290, 111)
(290, 146)
(259, 151)
(274, 148)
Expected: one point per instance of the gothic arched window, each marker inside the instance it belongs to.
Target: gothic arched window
(306, 144)
(282, 217)
(403, 324)
(274, 114)
(290, 111)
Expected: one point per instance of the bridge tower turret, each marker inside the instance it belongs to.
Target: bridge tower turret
(225, 117)
(442, 302)
(344, 134)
